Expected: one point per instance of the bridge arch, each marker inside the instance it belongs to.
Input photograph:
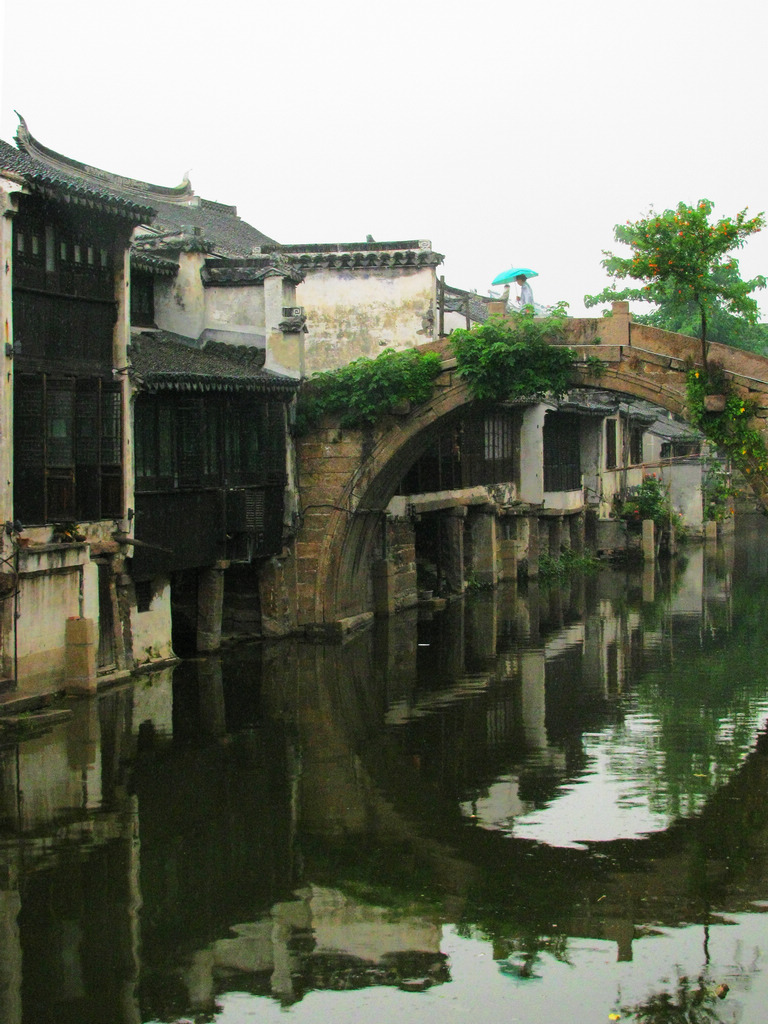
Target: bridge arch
(347, 478)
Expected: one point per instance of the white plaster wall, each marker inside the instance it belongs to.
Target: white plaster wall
(592, 435)
(684, 480)
(152, 629)
(568, 501)
(235, 309)
(46, 600)
(532, 455)
(180, 300)
(611, 483)
(359, 313)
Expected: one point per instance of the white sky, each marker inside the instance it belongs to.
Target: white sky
(507, 133)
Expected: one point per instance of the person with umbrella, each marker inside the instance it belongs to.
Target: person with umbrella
(520, 276)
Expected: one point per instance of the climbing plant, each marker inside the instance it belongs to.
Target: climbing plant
(513, 357)
(649, 500)
(718, 493)
(366, 389)
(732, 429)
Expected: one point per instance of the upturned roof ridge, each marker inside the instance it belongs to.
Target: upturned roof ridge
(28, 144)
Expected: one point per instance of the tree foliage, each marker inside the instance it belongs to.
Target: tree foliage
(512, 357)
(366, 389)
(684, 317)
(683, 263)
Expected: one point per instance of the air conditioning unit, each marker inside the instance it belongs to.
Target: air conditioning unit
(293, 311)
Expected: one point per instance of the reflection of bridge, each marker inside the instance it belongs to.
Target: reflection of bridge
(236, 847)
(347, 478)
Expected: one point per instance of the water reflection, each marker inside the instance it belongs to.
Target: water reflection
(543, 777)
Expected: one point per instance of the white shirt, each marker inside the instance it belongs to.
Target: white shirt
(526, 295)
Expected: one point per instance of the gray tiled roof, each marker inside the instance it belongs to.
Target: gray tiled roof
(162, 361)
(157, 265)
(179, 218)
(359, 255)
(249, 271)
(217, 227)
(59, 183)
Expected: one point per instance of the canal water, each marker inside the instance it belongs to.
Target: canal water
(539, 805)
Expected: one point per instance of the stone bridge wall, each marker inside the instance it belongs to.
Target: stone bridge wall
(340, 568)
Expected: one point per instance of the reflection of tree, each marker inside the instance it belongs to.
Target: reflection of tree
(518, 956)
(692, 1002)
(704, 693)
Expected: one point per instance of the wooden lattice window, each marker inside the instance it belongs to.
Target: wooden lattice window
(67, 449)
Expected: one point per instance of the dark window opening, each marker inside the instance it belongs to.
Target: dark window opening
(635, 445)
(142, 299)
(562, 458)
(611, 427)
(479, 448)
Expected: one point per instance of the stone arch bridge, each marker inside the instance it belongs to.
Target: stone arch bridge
(338, 572)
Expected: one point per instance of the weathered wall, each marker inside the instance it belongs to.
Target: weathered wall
(7, 207)
(355, 313)
(151, 630)
(180, 300)
(240, 310)
(55, 583)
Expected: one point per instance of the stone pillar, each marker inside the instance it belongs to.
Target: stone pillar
(452, 550)
(276, 585)
(649, 540)
(210, 605)
(534, 526)
(80, 655)
(577, 532)
(484, 547)
(383, 576)
(508, 548)
(532, 455)
(614, 329)
(555, 536)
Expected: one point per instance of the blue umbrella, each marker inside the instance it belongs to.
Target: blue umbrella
(510, 275)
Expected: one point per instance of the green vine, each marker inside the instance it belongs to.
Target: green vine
(512, 357)
(718, 493)
(367, 389)
(595, 367)
(732, 429)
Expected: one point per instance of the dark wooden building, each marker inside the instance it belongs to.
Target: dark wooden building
(210, 429)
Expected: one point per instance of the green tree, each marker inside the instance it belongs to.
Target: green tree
(512, 357)
(683, 263)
